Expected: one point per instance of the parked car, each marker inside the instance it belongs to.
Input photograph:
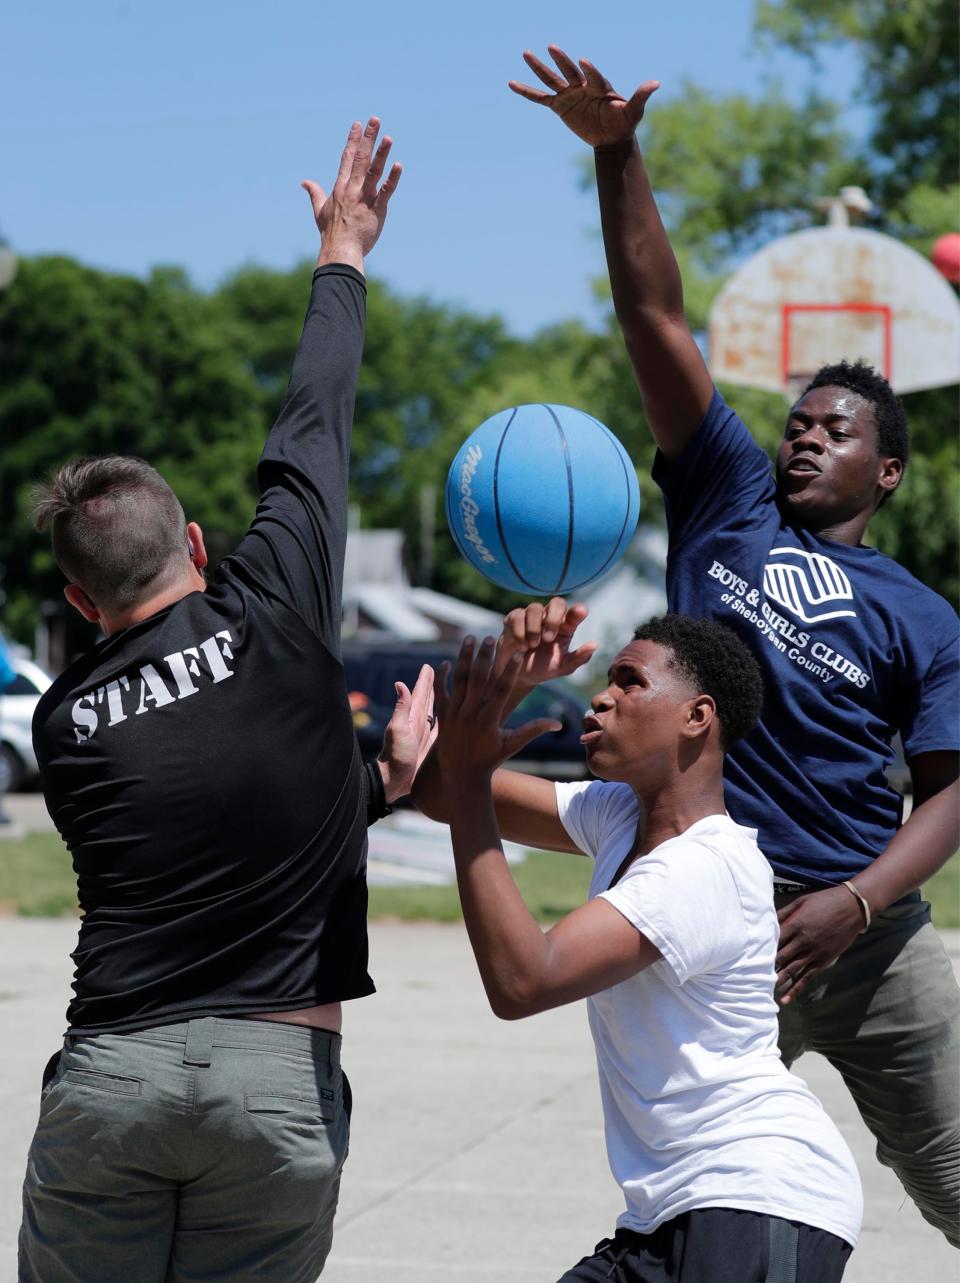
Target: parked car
(17, 704)
(372, 667)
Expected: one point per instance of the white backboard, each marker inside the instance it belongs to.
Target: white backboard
(835, 293)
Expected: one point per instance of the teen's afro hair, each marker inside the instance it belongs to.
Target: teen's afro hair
(893, 436)
(716, 663)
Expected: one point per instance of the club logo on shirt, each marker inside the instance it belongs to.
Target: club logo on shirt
(802, 593)
(808, 584)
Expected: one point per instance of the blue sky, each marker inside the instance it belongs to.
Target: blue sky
(135, 133)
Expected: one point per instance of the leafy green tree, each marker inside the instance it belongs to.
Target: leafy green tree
(430, 375)
(910, 52)
(731, 172)
(93, 362)
(425, 368)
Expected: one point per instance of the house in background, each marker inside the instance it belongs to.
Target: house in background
(379, 600)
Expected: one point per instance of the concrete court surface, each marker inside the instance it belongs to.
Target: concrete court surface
(477, 1150)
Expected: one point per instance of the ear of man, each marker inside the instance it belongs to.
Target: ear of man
(701, 717)
(79, 600)
(891, 474)
(196, 546)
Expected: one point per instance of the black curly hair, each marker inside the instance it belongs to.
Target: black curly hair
(893, 435)
(714, 660)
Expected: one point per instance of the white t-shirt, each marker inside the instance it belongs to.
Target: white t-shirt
(699, 1109)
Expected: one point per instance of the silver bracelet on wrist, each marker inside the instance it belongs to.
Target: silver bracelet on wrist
(864, 906)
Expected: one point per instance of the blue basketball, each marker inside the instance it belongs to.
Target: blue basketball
(542, 499)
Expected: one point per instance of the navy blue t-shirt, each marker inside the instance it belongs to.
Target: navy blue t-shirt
(851, 646)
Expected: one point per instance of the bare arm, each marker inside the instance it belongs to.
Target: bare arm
(647, 291)
(525, 806)
(675, 384)
(815, 929)
(523, 970)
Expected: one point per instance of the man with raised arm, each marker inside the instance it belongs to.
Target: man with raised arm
(853, 649)
(201, 765)
(729, 1167)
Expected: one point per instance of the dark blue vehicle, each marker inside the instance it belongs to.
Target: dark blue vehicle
(372, 667)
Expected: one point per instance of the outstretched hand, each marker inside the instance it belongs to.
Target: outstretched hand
(351, 218)
(542, 636)
(409, 735)
(473, 739)
(585, 100)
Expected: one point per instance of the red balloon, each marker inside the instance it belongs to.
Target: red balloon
(946, 256)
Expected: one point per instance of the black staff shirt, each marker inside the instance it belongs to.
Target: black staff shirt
(202, 765)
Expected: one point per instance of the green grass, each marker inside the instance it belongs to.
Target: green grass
(943, 892)
(552, 885)
(36, 877)
(36, 880)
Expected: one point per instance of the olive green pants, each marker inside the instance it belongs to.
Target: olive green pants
(887, 1016)
(185, 1153)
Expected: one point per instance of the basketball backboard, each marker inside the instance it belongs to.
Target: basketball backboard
(829, 293)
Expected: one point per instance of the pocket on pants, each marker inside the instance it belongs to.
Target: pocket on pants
(97, 1080)
(305, 1141)
(288, 1107)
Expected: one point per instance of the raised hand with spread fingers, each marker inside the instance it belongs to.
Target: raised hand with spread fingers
(647, 292)
(351, 218)
(543, 635)
(584, 99)
(474, 738)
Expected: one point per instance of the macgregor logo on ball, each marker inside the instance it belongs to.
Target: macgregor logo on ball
(469, 507)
